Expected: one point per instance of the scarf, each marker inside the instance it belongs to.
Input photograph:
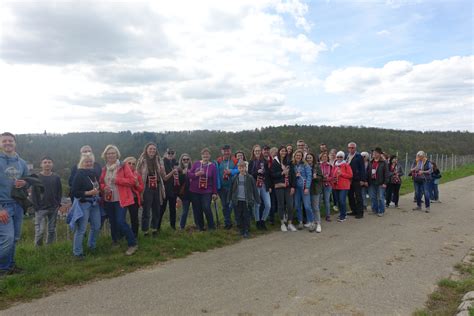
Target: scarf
(338, 163)
(111, 172)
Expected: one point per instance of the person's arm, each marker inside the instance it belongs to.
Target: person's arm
(77, 187)
(125, 179)
(362, 171)
(192, 172)
(346, 171)
(140, 187)
(214, 179)
(386, 177)
(71, 177)
(276, 170)
(400, 171)
(102, 181)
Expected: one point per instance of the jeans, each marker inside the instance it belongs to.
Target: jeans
(92, 214)
(171, 201)
(265, 198)
(285, 203)
(306, 198)
(355, 198)
(420, 189)
(133, 211)
(151, 201)
(40, 225)
(364, 191)
(315, 205)
(242, 216)
(327, 192)
(184, 214)
(377, 198)
(341, 196)
(392, 194)
(202, 204)
(434, 192)
(118, 223)
(10, 234)
(226, 206)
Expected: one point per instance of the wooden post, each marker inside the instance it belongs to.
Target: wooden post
(406, 165)
(452, 161)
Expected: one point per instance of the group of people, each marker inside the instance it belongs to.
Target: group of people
(272, 182)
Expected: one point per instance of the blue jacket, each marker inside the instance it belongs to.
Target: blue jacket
(304, 180)
(11, 169)
(77, 210)
(358, 167)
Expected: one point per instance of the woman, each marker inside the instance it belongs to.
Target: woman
(435, 177)
(332, 161)
(289, 153)
(137, 191)
(260, 171)
(395, 173)
(421, 170)
(303, 178)
(326, 170)
(116, 184)
(317, 187)
(203, 188)
(85, 189)
(150, 167)
(283, 176)
(342, 175)
(171, 182)
(377, 178)
(185, 164)
(240, 156)
(365, 186)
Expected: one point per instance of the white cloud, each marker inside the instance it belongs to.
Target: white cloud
(436, 95)
(383, 33)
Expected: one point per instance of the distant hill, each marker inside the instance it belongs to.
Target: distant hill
(64, 149)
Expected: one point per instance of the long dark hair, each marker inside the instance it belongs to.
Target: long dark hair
(279, 156)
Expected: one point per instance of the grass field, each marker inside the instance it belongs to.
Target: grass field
(51, 268)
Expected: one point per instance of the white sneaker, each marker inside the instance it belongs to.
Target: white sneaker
(283, 228)
(300, 226)
(292, 228)
(307, 225)
(318, 228)
(335, 208)
(312, 227)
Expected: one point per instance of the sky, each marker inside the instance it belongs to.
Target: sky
(72, 66)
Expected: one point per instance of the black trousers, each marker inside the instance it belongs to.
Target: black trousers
(171, 201)
(242, 216)
(355, 198)
(133, 211)
(151, 202)
(393, 193)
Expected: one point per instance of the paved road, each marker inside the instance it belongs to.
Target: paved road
(374, 266)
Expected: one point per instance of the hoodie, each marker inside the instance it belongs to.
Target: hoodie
(11, 168)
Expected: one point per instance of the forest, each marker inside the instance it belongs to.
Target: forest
(64, 148)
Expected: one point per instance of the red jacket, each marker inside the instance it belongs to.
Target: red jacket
(342, 181)
(125, 181)
(138, 189)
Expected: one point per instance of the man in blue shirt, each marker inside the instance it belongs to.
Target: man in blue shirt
(12, 169)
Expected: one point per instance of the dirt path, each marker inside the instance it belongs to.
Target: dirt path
(374, 266)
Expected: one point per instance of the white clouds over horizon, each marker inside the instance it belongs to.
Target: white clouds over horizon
(209, 64)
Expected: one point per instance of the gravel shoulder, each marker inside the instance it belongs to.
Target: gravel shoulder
(374, 266)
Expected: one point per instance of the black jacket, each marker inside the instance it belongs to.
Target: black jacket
(358, 167)
(381, 174)
(254, 165)
(277, 177)
(83, 181)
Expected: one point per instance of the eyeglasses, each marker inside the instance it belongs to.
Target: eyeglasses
(171, 153)
(131, 163)
(351, 147)
(185, 159)
(340, 157)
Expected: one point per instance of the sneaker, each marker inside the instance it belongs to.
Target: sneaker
(380, 214)
(131, 250)
(300, 226)
(328, 218)
(416, 208)
(264, 226)
(318, 228)
(245, 235)
(335, 208)
(283, 228)
(307, 225)
(292, 228)
(427, 210)
(312, 227)
(341, 220)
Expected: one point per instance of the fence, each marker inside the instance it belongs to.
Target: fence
(444, 162)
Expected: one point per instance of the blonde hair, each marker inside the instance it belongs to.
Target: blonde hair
(109, 147)
(131, 159)
(84, 157)
(298, 151)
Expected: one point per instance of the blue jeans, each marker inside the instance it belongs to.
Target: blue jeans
(315, 204)
(226, 206)
(118, 223)
(420, 189)
(306, 198)
(327, 192)
(364, 191)
(434, 192)
(377, 198)
(341, 196)
(92, 215)
(184, 214)
(265, 198)
(10, 234)
(202, 204)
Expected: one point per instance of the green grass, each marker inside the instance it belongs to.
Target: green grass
(52, 267)
(448, 296)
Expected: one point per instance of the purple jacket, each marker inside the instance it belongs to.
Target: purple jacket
(194, 181)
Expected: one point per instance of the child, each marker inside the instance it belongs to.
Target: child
(47, 203)
(244, 196)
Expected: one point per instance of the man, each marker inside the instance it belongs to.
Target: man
(47, 202)
(227, 168)
(323, 148)
(356, 161)
(12, 169)
(171, 187)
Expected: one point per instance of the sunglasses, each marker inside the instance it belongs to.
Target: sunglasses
(131, 163)
(185, 159)
(340, 157)
(171, 153)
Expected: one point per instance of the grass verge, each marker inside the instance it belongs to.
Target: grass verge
(52, 268)
(448, 296)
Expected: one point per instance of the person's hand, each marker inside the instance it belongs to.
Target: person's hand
(214, 197)
(292, 191)
(175, 171)
(298, 174)
(306, 191)
(136, 182)
(315, 175)
(200, 173)
(270, 190)
(4, 216)
(92, 192)
(185, 170)
(362, 183)
(384, 186)
(260, 171)
(20, 183)
(339, 172)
